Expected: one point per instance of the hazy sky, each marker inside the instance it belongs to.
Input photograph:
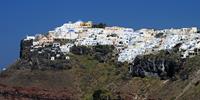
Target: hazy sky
(19, 18)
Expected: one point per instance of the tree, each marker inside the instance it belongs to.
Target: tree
(100, 25)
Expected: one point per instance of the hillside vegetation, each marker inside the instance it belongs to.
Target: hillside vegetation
(94, 74)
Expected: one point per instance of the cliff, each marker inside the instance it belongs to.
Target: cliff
(164, 64)
(86, 61)
(94, 73)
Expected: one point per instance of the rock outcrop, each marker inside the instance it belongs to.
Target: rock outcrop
(161, 65)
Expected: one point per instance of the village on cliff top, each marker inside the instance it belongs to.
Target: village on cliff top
(128, 42)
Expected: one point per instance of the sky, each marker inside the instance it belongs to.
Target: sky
(19, 18)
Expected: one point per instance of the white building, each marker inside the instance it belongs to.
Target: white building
(130, 43)
(29, 38)
(66, 48)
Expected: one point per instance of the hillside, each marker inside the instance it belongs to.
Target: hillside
(86, 61)
(91, 78)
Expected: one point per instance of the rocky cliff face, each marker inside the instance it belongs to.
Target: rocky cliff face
(154, 67)
(164, 65)
(40, 58)
(25, 47)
